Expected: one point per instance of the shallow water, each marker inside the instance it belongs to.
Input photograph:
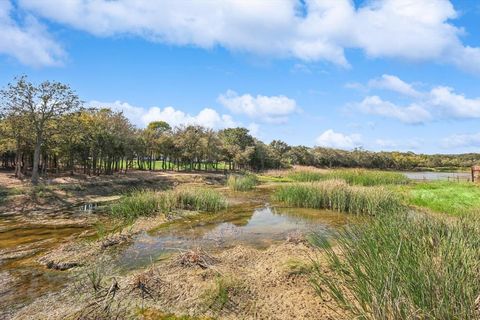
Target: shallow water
(432, 176)
(23, 239)
(251, 221)
(258, 227)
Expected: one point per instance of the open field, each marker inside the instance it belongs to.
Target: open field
(270, 251)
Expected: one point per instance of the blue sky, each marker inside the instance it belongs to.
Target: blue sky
(383, 75)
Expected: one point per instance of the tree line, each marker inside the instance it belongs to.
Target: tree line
(45, 129)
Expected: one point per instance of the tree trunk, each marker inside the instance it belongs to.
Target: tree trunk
(36, 161)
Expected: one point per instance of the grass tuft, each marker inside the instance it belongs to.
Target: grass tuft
(242, 183)
(147, 203)
(410, 267)
(339, 196)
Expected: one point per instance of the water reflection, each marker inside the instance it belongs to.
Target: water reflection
(257, 227)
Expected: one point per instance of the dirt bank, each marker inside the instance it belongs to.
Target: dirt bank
(239, 283)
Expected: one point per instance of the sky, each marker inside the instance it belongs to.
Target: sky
(381, 75)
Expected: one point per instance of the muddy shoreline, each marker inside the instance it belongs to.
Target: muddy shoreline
(81, 276)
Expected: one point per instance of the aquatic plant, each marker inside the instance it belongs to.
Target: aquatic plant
(339, 196)
(242, 182)
(410, 267)
(148, 202)
(351, 176)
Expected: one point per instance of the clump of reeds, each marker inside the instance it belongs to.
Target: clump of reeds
(351, 176)
(242, 182)
(367, 177)
(339, 196)
(407, 267)
(147, 202)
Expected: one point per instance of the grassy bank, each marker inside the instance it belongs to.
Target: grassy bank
(410, 267)
(351, 176)
(338, 195)
(147, 203)
(242, 182)
(455, 198)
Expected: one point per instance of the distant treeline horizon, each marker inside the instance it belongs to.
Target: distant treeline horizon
(45, 129)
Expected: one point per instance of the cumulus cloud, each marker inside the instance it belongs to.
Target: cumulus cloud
(142, 117)
(332, 139)
(438, 103)
(28, 41)
(272, 109)
(395, 84)
(311, 31)
(452, 104)
(462, 140)
(413, 114)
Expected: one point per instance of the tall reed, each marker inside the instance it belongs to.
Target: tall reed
(351, 176)
(147, 202)
(407, 267)
(242, 183)
(338, 195)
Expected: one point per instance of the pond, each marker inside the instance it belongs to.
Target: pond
(258, 227)
(432, 176)
(250, 221)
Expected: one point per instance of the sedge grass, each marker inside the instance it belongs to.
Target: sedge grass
(339, 196)
(411, 266)
(242, 183)
(351, 176)
(147, 203)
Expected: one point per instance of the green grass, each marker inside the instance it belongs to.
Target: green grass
(455, 198)
(410, 267)
(339, 196)
(351, 176)
(148, 203)
(242, 182)
(306, 176)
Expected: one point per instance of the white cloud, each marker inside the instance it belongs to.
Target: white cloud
(451, 104)
(388, 28)
(438, 103)
(272, 109)
(404, 144)
(332, 139)
(462, 140)
(28, 42)
(395, 84)
(142, 117)
(413, 114)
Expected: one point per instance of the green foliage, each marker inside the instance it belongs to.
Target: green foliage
(339, 196)
(367, 177)
(306, 176)
(403, 267)
(454, 198)
(242, 182)
(351, 176)
(221, 293)
(148, 202)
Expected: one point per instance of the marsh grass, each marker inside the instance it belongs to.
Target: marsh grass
(242, 182)
(147, 202)
(339, 196)
(220, 295)
(455, 198)
(351, 176)
(410, 267)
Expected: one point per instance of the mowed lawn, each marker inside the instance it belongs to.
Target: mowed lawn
(456, 198)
